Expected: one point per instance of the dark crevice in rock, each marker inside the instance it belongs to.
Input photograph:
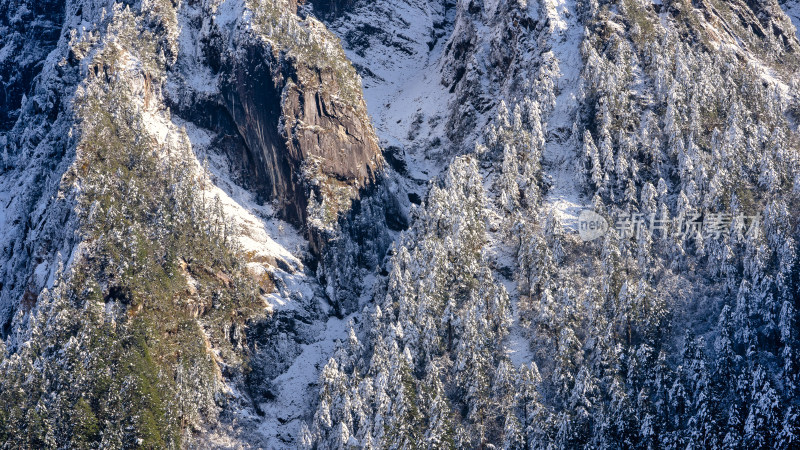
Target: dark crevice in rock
(253, 101)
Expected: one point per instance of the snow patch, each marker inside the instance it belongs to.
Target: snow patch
(560, 158)
(197, 75)
(399, 65)
(517, 345)
(792, 9)
(298, 384)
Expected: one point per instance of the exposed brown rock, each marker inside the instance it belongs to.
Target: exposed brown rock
(289, 113)
(320, 126)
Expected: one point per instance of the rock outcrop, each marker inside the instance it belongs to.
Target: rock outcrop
(289, 116)
(286, 112)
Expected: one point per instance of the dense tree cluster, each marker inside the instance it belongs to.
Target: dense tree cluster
(658, 339)
(434, 320)
(118, 353)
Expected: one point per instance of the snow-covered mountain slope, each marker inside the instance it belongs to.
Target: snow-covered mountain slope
(396, 47)
(793, 11)
(37, 222)
(229, 224)
(227, 121)
(560, 154)
(424, 108)
(621, 107)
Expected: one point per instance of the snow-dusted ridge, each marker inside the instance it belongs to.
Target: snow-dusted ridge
(792, 9)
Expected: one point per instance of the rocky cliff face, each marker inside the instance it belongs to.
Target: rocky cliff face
(292, 117)
(286, 119)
